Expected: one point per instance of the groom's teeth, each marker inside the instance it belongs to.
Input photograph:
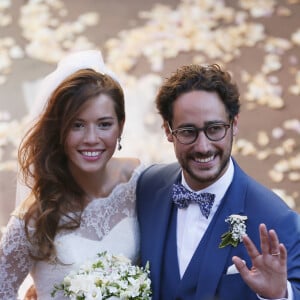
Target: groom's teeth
(91, 153)
(204, 160)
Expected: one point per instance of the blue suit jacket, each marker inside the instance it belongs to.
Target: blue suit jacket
(245, 196)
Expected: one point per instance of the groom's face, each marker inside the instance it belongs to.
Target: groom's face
(203, 161)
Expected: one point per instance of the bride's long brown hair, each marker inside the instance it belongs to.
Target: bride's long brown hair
(43, 161)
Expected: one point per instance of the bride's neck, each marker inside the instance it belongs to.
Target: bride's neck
(96, 186)
(101, 184)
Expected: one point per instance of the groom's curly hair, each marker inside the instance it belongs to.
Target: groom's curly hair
(210, 78)
(44, 163)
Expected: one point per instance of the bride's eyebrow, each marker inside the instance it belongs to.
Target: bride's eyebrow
(108, 118)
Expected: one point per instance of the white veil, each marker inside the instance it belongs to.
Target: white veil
(71, 63)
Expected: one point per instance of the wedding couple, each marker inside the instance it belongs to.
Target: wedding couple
(84, 200)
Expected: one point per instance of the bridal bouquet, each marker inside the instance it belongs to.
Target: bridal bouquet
(109, 277)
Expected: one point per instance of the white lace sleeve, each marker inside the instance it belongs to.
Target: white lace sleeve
(15, 261)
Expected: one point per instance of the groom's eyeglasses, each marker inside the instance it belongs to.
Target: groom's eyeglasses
(188, 135)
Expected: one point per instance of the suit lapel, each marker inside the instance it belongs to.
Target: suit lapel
(214, 260)
(162, 206)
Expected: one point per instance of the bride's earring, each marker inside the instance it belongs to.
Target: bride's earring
(119, 143)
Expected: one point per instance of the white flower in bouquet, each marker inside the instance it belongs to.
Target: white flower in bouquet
(108, 277)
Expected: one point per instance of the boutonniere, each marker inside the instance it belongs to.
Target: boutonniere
(237, 228)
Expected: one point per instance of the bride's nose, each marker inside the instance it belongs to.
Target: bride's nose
(91, 135)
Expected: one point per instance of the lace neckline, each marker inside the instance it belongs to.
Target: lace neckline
(136, 172)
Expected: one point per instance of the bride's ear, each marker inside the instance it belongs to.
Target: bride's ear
(121, 126)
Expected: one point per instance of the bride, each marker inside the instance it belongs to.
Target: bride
(82, 199)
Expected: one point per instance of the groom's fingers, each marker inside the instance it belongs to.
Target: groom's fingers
(270, 244)
(274, 242)
(250, 247)
(265, 240)
(241, 266)
(283, 255)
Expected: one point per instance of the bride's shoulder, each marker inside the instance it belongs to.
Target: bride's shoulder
(126, 165)
(23, 207)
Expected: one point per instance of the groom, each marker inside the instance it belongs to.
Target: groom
(185, 208)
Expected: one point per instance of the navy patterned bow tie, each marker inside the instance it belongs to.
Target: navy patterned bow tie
(183, 197)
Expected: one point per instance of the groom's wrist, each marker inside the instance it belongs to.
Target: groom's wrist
(287, 295)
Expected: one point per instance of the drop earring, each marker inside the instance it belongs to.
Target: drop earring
(119, 143)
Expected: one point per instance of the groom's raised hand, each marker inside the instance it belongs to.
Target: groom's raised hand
(268, 274)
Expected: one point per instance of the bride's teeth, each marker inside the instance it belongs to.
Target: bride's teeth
(90, 153)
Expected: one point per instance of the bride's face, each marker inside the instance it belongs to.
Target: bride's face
(92, 139)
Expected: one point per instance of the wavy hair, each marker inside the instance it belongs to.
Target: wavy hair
(43, 161)
(210, 78)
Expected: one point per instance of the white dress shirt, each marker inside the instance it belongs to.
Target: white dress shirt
(191, 224)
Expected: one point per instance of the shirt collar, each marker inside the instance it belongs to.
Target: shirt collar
(219, 187)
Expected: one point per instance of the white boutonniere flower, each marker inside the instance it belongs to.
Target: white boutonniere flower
(237, 229)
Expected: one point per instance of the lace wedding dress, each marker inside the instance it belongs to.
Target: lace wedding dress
(108, 224)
